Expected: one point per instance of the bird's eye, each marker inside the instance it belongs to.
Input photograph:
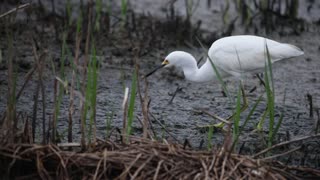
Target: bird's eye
(165, 62)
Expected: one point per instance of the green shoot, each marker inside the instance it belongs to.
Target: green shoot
(124, 8)
(92, 84)
(210, 135)
(78, 35)
(61, 86)
(69, 12)
(237, 114)
(131, 103)
(280, 119)
(79, 24)
(87, 102)
(98, 16)
(163, 131)
(263, 118)
(270, 96)
(75, 80)
(246, 121)
(109, 118)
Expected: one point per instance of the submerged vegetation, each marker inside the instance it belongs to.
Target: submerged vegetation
(136, 149)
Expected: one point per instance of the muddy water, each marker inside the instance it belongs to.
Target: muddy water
(294, 79)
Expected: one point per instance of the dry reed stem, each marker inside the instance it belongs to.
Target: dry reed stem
(144, 100)
(284, 143)
(73, 79)
(54, 118)
(15, 9)
(39, 63)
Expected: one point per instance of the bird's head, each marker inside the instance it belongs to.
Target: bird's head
(178, 59)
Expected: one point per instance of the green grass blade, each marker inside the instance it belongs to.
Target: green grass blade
(276, 130)
(261, 122)
(269, 65)
(210, 135)
(87, 102)
(69, 12)
(236, 118)
(253, 109)
(64, 54)
(92, 83)
(124, 9)
(98, 15)
(79, 24)
(109, 118)
(251, 112)
(132, 102)
(270, 96)
(278, 125)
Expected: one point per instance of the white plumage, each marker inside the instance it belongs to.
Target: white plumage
(232, 56)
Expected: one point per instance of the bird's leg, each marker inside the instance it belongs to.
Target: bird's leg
(261, 80)
(244, 97)
(174, 94)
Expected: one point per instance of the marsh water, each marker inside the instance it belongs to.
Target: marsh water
(296, 80)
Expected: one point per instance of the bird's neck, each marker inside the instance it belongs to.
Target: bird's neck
(190, 73)
(203, 74)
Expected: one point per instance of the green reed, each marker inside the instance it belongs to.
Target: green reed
(132, 102)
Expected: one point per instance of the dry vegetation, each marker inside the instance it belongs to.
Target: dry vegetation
(140, 159)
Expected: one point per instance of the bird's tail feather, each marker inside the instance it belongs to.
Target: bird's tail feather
(285, 51)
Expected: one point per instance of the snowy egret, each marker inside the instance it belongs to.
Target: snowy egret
(232, 56)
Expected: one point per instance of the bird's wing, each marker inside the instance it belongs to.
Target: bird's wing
(240, 54)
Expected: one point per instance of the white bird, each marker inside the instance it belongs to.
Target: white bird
(232, 56)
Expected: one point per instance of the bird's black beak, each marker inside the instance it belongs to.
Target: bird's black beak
(156, 69)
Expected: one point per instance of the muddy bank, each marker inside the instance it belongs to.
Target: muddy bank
(157, 35)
